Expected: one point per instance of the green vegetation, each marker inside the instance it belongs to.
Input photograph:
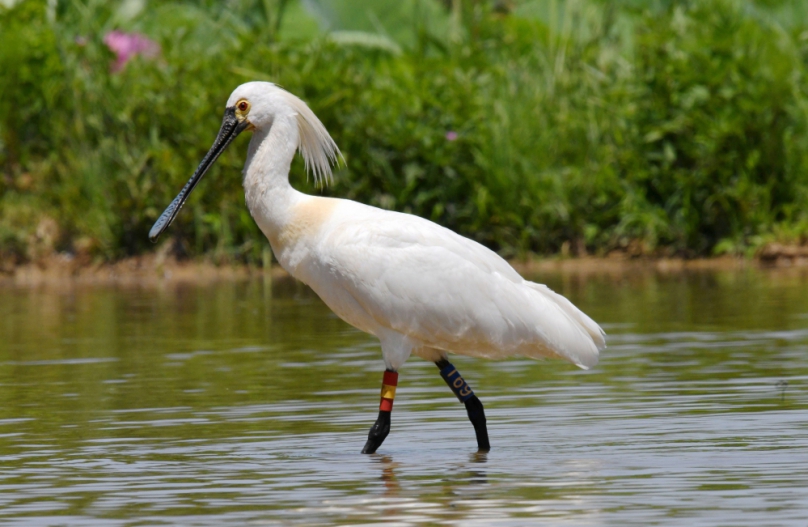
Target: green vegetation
(543, 126)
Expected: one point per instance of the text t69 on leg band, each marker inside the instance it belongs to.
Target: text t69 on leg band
(456, 382)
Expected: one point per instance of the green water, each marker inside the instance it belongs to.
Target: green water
(248, 403)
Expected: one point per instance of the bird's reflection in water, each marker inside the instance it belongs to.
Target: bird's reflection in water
(477, 474)
(466, 482)
(388, 476)
(459, 483)
(457, 475)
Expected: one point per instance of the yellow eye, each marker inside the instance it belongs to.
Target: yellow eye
(243, 106)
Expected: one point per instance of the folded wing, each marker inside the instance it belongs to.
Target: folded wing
(451, 293)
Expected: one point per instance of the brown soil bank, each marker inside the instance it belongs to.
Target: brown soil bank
(155, 269)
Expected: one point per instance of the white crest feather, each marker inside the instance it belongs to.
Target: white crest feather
(319, 151)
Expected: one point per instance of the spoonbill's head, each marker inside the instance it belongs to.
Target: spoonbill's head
(256, 106)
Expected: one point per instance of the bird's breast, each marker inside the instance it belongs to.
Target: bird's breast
(294, 237)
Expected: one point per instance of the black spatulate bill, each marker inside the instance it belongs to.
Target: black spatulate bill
(231, 127)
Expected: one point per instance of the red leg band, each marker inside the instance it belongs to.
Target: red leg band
(390, 378)
(389, 383)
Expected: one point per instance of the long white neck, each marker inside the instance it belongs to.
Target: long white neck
(270, 197)
(289, 219)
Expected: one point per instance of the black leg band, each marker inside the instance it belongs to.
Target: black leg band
(474, 407)
(455, 381)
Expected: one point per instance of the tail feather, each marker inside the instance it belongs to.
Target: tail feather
(588, 356)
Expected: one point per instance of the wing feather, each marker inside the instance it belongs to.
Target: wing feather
(449, 292)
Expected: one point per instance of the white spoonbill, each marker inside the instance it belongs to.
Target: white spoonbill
(420, 288)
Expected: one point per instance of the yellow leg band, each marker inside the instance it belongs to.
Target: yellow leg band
(388, 392)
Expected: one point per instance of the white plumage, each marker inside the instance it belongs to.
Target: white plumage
(420, 288)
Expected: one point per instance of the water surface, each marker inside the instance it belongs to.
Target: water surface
(248, 403)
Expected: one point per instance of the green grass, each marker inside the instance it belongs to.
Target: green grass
(588, 126)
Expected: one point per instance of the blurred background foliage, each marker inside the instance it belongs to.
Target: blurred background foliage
(536, 126)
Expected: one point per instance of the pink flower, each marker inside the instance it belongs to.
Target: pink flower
(127, 45)
(451, 135)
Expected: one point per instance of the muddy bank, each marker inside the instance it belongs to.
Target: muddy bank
(148, 270)
(156, 269)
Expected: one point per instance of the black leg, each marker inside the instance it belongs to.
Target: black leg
(380, 429)
(378, 432)
(474, 407)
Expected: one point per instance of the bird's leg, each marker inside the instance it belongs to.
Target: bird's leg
(380, 429)
(473, 405)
